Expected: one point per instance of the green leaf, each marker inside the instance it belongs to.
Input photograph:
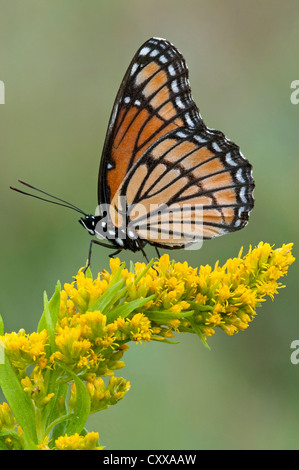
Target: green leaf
(201, 308)
(74, 421)
(49, 317)
(167, 315)
(131, 266)
(1, 326)
(143, 272)
(125, 309)
(88, 273)
(51, 412)
(164, 340)
(19, 402)
(110, 296)
(117, 275)
(198, 331)
(17, 440)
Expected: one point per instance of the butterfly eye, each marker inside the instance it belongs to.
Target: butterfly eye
(88, 222)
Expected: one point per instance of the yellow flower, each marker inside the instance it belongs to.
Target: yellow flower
(24, 349)
(208, 331)
(180, 306)
(6, 418)
(163, 264)
(140, 328)
(86, 292)
(44, 444)
(214, 319)
(201, 299)
(223, 292)
(218, 296)
(267, 288)
(36, 388)
(174, 324)
(72, 346)
(245, 295)
(99, 317)
(102, 396)
(218, 309)
(114, 265)
(229, 329)
(76, 442)
(94, 327)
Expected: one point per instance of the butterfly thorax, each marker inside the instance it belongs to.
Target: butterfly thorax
(104, 229)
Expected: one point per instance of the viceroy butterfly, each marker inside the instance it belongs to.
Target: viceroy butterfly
(158, 151)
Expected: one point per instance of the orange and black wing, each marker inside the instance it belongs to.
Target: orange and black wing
(158, 152)
(189, 185)
(154, 99)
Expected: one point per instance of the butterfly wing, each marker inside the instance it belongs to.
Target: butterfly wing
(159, 151)
(154, 98)
(189, 185)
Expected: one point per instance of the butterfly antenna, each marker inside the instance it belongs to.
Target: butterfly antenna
(61, 203)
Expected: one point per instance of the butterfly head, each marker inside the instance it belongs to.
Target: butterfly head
(89, 223)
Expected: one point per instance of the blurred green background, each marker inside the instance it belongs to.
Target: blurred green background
(62, 63)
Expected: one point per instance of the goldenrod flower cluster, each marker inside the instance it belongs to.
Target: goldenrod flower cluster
(9, 428)
(86, 328)
(77, 442)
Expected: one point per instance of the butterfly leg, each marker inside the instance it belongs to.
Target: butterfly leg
(157, 251)
(115, 253)
(90, 250)
(144, 254)
(142, 250)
